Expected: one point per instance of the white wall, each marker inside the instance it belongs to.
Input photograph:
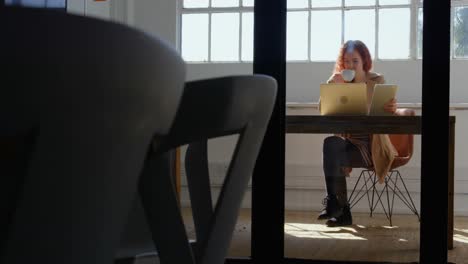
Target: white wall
(303, 79)
(100, 9)
(305, 186)
(156, 17)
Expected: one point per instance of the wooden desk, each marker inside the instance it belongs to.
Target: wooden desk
(376, 125)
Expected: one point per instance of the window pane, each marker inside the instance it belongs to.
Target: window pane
(195, 37)
(224, 3)
(247, 2)
(225, 37)
(298, 3)
(297, 32)
(359, 2)
(56, 3)
(247, 36)
(394, 2)
(360, 25)
(29, 3)
(460, 32)
(420, 32)
(37, 3)
(394, 34)
(326, 3)
(195, 3)
(325, 35)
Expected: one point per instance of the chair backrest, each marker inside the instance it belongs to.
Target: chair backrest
(209, 108)
(90, 95)
(403, 143)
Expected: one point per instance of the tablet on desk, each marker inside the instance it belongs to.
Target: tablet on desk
(382, 94)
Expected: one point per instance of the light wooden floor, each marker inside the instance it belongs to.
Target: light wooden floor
(369, 239)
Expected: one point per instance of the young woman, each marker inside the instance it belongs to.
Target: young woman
(343, 152)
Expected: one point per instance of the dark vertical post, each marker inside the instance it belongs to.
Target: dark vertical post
(435, 131)
(451, 183)
(268, 178)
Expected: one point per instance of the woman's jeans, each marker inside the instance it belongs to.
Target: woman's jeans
(339, 152)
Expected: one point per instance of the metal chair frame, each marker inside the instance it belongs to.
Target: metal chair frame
(375, 196)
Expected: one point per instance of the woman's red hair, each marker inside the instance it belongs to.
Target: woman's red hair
(350, 46)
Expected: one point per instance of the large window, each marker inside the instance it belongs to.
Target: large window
(61, 4)
(460, 29)
(222, 30)
(216, 30)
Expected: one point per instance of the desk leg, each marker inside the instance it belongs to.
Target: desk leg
(451, 174)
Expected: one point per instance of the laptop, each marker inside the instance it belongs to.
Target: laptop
(382, 94)
(343, 99)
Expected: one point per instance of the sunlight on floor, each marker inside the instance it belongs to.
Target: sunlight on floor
(463, 238)
(390, 227)
(460, 238)
(461, 230)
(302, 230)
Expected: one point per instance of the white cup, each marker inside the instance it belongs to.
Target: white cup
(348, 75)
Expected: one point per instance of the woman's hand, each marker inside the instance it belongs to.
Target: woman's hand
(338, 78)
(391, 106)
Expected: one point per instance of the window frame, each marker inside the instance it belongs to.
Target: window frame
(413, 5)
(455, 4)
(211, 10)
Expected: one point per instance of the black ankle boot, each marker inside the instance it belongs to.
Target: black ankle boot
(331, 207)
(343, 219)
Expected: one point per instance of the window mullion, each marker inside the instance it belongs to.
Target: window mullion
(342, 21)
(209, 35)
(209, 30)
(240, 37)
(180, 5)
(326, 8)
(309, 31)
(452, 47)
(414, 11)
(216, 10)
(309, 35)
(376, 36)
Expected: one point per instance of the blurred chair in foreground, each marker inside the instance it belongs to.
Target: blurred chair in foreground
(84, 99)
(210, 108)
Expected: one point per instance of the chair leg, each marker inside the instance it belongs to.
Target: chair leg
(354, 198)
(390, 206)
(391, 182)
(368, 188)
(158, 196)
(405, 198)
(374, 191)
(379, 197)
(390, 188)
